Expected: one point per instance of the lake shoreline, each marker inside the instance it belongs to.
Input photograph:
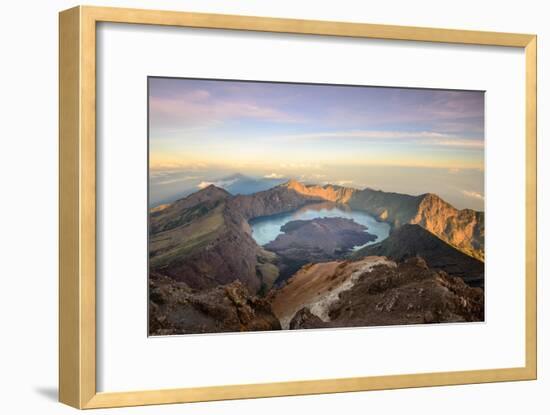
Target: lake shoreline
(266, 229)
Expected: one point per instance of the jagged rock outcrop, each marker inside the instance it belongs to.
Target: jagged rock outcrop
(464, 229)
(408, 293)
(174, 308)
(413, 240)
(306, 319)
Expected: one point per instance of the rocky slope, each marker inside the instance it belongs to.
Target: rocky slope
(464, 229)
(385, 293)
(199, 240)
(413, 240)
(184, 211)
(174, 308)
(395, 208)
(318, 286)
(316, 240)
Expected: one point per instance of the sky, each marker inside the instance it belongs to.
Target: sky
(395, 139)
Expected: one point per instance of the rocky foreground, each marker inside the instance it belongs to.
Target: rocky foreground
(405, 293)
(373, 291)
(174, 308)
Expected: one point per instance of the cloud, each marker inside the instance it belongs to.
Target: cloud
(201, 108)
(367, 134)
(313, 176)
(414, 137)
(343, 182)
(305, 165)
(273, 176)
(473, 195)
(163, 168)
(445, 111)
(198, 95)
(176, 180)
(202, 185)
(459, 143)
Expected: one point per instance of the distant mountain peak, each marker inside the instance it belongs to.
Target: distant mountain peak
(210, 193)
(212, 188)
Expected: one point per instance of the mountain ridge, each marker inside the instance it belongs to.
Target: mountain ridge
(203, 242)
(205, 238)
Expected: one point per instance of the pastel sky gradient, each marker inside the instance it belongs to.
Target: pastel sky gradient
(296, 129)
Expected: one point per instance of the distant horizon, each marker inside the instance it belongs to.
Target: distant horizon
(224, 182)
(403, 140)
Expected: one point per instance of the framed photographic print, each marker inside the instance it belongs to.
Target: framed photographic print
(299, 206)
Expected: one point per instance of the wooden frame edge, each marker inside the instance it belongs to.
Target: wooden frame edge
(77, 214)
(531, 206)
(69, 289)
(308, 27)
(372, 383)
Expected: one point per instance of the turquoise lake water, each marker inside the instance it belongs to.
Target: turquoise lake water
(266, 229)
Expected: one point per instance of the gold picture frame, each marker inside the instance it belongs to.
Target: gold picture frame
(77, 291)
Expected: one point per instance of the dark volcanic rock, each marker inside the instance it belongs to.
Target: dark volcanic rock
(413, 240)
(316, 240)
(306, 319)
(174, 308)
(410, 293)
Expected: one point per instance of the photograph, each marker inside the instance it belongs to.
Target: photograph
(262, 208)
(292, 206)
